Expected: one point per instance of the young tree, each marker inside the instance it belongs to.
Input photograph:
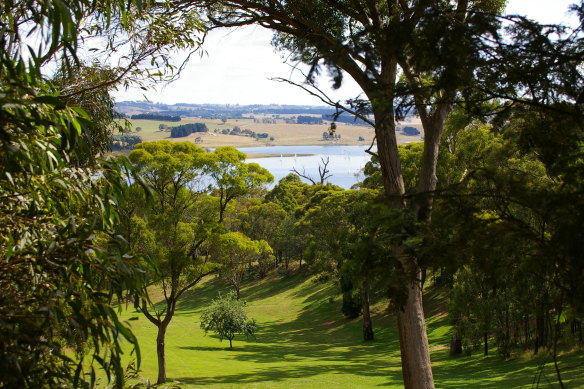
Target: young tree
(226, 316)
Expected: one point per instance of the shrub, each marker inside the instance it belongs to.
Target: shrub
(226, 316)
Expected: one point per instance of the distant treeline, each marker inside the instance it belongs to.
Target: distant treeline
(308, 120)
(205, 113)
(346, 119)
(218, 111)
(187, 129)
(157, 116)
(294, 111)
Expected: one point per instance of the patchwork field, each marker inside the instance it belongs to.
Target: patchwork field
(284, 134)
(304, 342)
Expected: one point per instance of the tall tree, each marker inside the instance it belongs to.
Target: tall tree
(175, 222)
(433, 45)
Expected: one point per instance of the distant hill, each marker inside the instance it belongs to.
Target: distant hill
(228, 111)
(218, 111)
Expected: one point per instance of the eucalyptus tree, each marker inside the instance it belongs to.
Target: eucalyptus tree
(400, 53)
(236, 253)
(59, 199)
(179, 227)
(233, 178)
(171, 227)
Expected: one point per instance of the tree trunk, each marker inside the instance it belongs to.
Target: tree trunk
(427, 180)
(415, 352)
(486, 340)
(455, 345)
(539, 332)
(576, 326)
(526, 330)
(367, 323)
(160, 352)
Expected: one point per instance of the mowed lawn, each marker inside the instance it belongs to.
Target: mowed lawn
(305, 342)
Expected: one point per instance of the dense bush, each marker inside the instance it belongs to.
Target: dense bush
(410, 131)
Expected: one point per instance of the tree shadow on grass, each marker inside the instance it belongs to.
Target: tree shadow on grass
(318, 341)
(201, 295)
(493, 372)
(272, 285)
(286, 372)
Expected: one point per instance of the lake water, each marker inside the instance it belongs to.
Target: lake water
(345, 162)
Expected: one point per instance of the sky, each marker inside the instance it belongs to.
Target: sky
(237, 66)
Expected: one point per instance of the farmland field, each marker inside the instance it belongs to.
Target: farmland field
(284, 134)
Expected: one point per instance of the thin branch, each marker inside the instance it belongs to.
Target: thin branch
(325, 99)
(303, 175)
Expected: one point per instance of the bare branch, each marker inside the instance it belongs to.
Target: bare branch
(323, 172)
(303, 175)
(322, 169)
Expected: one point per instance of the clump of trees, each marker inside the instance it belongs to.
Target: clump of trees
(187, 129)
(227, 317)
(491, 201)
(430, 56)
(301, 119)
(125, 142)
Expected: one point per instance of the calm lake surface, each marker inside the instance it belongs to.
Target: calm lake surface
(345, 162)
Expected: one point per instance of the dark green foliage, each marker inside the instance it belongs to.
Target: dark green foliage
(63, 267)
(351, 307)
(226, 317)
(60, 274)
(308, 120)
(57, 279)
(501, 233)
(88, 88)
(187, 129)
(125, 142)
(410, 131)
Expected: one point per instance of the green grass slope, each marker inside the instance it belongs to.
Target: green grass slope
(304, 342)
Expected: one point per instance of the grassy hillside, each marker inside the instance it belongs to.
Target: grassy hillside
(304, 342)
